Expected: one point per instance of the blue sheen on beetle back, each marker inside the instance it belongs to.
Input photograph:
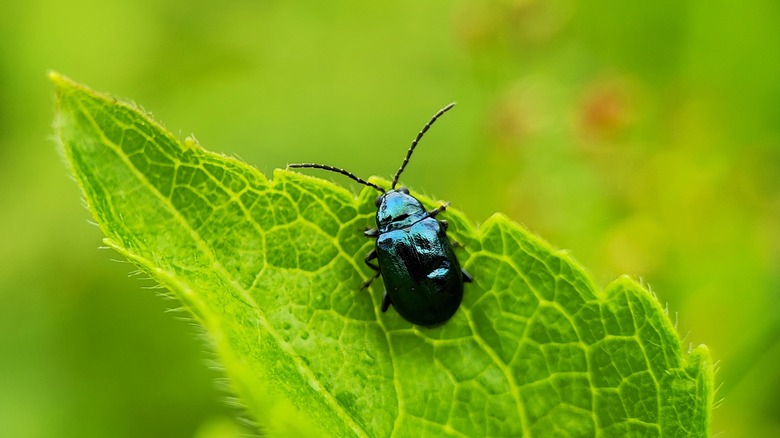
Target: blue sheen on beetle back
(398, 209)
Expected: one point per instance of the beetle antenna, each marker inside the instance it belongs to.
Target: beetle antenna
(416, 140)
(337, 170)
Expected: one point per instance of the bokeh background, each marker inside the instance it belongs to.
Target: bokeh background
(642, 136)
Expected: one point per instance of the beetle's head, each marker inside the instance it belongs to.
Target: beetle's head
(397, 209)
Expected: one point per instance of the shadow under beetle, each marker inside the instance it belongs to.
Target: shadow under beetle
(423, 279)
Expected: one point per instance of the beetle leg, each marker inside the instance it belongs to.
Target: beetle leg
(466, 277)
(372, 232)
(444, 225)
(371, 256)
(436, 211)
(368, 282)
(386, 302)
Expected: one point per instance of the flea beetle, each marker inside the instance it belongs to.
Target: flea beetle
(423, 279)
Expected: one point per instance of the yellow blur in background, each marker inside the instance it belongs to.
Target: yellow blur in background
(642, 136)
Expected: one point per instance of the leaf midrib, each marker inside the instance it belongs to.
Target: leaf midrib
(385, 330)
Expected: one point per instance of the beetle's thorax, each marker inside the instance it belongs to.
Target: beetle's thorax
(398, 209)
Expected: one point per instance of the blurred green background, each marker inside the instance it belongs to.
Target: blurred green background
(642, 136)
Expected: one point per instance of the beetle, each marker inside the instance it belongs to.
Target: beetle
(422, 276)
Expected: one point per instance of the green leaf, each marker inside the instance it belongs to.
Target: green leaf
(272, 270)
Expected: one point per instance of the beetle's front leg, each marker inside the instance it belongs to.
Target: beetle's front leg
(371, 256)
(371, 233)
(438, 210)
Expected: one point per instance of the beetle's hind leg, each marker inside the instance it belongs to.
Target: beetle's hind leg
(466, 277)
(368, 282)
(386, 302)
(371, 256)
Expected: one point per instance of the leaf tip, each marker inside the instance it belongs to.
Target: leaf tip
(59, 80)
(64, 86)
(54, 76)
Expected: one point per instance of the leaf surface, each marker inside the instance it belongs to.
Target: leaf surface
(272, 270)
